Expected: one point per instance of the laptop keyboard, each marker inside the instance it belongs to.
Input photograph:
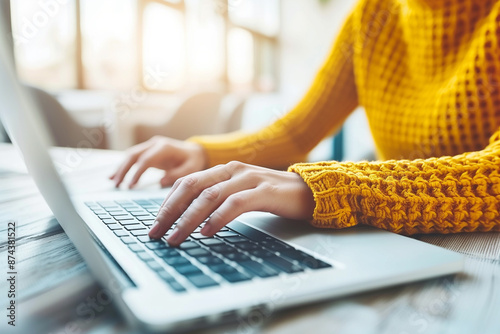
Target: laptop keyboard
(237, 253)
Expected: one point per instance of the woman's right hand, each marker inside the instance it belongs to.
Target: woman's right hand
(178, 158)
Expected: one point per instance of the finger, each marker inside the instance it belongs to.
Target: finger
(174, 187)
(141, 168)
(134, 154)
(234, 206)
(203, 206)
(173, 175)
(124, 168)
(183, 194)
(143, 163)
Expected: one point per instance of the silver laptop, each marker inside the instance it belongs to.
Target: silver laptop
(257, 264)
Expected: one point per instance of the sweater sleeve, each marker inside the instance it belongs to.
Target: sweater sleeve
(330, 99)
(435, 195)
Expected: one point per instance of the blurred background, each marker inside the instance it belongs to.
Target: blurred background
(121, 71)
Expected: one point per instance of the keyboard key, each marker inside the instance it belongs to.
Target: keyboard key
(104, 216)
(122, 219)
(114, 209)
(158, 201)
(261, 253)
(148, 217)
(149, 222)
(145, 256)
(195, 252)
(124, 202)
(135, 247)
(226, 234)
(237, 257)
(211, 242)
(275, 245)
(128, 240)
(167, 252)
(106, 204)
(209, 260)
(304, 259)
(151, 207)
(154, 265)
(188, 269)
(282, 264)
(140, 232)
(121, 233)
(314, 263)
(248, 231)
(222, 268)
(142, 202)
(128, 221)
(198, 236)
(167, 277)
(258, 268)
(177, 286)
(156, 245)
(108, 221)
(138, 212)
(223, 249)
(119, 213)
(188, 245)
(132, 227)
(130, 207)
(247, 246)
(144, 238)
(176, 261)
(202, 281)
(114, 226)
(236, 239)
(236, 276)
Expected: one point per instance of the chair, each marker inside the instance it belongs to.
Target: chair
(231, 113)
(65, 130)
(197, 115)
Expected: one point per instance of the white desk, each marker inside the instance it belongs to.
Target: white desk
(54, 281)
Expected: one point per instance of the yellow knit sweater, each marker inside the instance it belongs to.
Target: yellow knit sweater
(427, 73)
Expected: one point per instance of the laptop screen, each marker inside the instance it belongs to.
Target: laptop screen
(29, 133)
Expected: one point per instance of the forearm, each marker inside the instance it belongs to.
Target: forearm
(437, 195)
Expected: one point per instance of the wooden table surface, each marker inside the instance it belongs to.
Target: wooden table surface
(53, 280)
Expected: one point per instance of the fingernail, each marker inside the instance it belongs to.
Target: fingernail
(206, 230)
(154, 229)
(174, 237)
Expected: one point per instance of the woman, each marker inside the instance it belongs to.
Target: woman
(427, 73)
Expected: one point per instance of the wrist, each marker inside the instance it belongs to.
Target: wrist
(201, 154)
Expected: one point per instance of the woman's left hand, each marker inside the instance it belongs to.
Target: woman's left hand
(226, 191)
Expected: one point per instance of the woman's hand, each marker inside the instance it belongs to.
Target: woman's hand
(177, 158)
(226, 191)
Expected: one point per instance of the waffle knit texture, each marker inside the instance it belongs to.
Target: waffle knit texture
(427, 73)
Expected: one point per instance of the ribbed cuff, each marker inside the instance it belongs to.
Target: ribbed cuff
(332, 209)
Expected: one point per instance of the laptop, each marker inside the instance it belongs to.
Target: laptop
(255, 265)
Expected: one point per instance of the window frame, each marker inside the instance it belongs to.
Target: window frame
(258, 37)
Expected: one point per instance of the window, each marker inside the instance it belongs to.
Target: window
(45, 39)
(108, 40)
(162, 45)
